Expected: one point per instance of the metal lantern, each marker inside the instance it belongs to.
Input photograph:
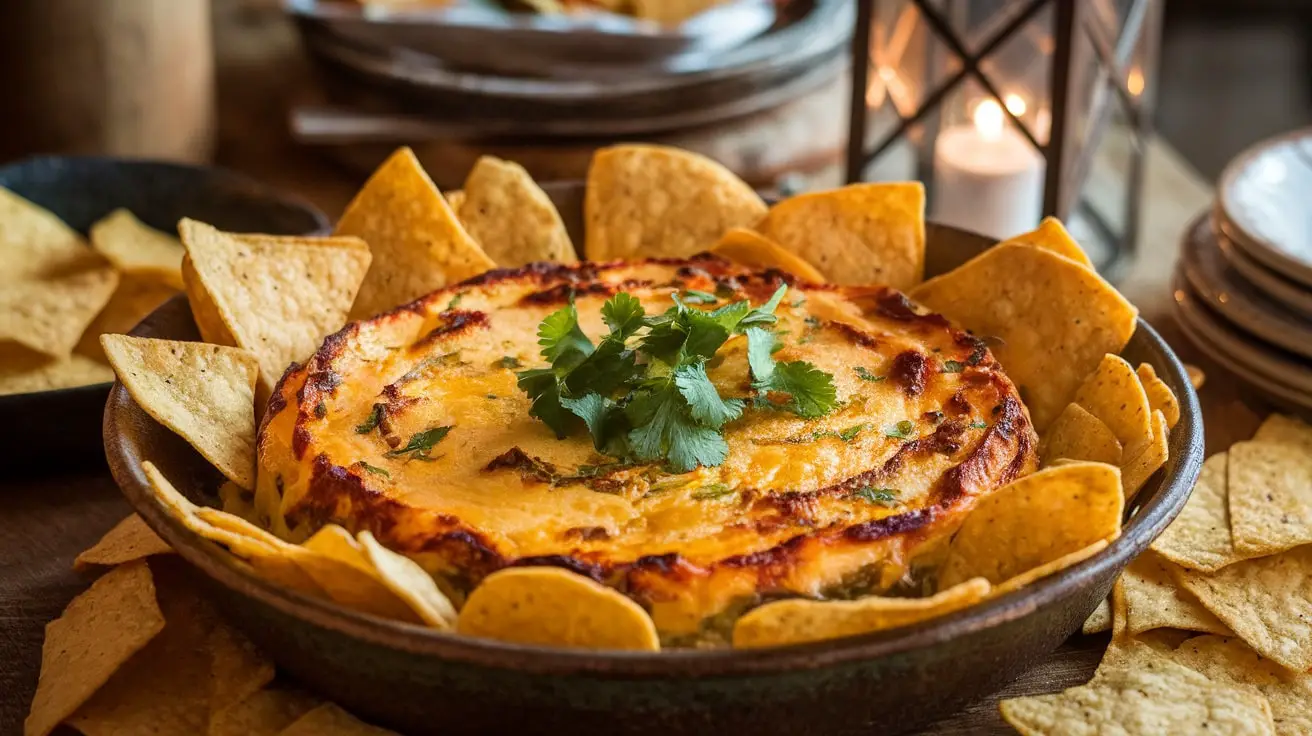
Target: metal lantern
(1009, 110)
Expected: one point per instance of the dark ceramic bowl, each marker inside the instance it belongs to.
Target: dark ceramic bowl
(63, 425)
(419, 681)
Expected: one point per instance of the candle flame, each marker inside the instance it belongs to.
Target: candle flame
(1015, 104)
(988, 119)
(1134, 82)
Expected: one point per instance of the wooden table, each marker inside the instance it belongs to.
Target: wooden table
(45, 521)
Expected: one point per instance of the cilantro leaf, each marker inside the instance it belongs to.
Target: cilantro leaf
(864, 374)
(541, 386)
(712, 492)
(663, 429)
(509, 361)
(372, 421)
(731, 315)
(604, 419)
(623, 314)
(608, 368)
(764, 314)
(705, 336)
(953, 366)
(374, 469)
(810, 389)
(850, 433)
(979, 425)
(562, 340)
(422, 443)
(692, 296)
(704, 400)
(886, 497)
(760, 350)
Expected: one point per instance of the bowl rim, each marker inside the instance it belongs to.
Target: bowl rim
(233, 178)
(1149, 519)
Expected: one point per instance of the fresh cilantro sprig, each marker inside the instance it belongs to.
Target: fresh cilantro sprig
(643, 393)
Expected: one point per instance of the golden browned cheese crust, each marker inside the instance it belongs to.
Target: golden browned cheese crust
(799, 507)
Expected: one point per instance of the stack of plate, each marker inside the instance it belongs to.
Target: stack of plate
(1243, 288)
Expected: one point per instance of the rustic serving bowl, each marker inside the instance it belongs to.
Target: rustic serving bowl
(45, 428)
(420, 681)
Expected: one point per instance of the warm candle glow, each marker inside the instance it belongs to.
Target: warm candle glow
(1134, 81)
(988, 119)
(1015, 104)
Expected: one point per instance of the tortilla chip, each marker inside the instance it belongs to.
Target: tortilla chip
(265, 713)
(133, 300)
(555, 607)
(1270, 497)
(404, 577)
(1048, 568)
(96, 635)
(646, 201)
(24, 371)
(50, 315)
(510, 216)
(1157, 697)
(37, 244)
(1100, 620)
(329, 720)
(203, 392)
(858, 234)
(1078, 435)
(1112, 393)
(1160, 396)
(798, 621)
(417, 242)
(203, 309)
(1136, 471)
(136, 249)
(751, 249)
(1229, 661)
(128, 541)
(1283, 430)
(338, 564)
(1199, 538)
(1155, 600)
(165, 689)
(278, 297)
(1057, 319)
(1052, 235)
(237, 668)
(1034, 521)
(1267, 602)
(455, 198)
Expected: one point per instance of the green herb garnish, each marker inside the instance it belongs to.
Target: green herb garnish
(902, 430)
(320, 410)
(879, 496)
(509, 361)
(371, 422)
(850, 433)
(865, 375)
(979, 425)
(642, 391)
(692, 296)
(712, 492)
(953, 366)
(421, 443)
(455, 302)
(375, 470)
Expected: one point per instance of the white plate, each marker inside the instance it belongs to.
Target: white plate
(1277, 373)
(1229, 295)
(1289, 293)
(1265, 203)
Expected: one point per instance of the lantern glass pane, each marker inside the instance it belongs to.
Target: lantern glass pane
(976, 21)
(1105, 193)
(1020, 69)
(907, 60)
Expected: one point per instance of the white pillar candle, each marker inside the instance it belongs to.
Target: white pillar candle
(987, 176)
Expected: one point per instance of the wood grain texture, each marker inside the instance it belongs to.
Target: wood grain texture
(45, 522)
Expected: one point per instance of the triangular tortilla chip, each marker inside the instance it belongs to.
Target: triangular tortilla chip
(510, 216)
(95, 636)
(1112, 393)
(797, 621)
(266, 713)
(24, 371)
(754, 250)
(1100, 620)
(1034, 521)
(417, 242)
(330, 720)
(50, 315)
(278, 297)
(646, 201)
(1049, 568)
(1079, 435)
(859, 234)
(38, 245)
(1056, 319)
(128, 541)
(1052, 235)
(134, 299)
(1136, 471)
(1284, 430)
(1160, 396)
(404, 577)
(1154, 599)
(205, 393)
(1230, 661)
(1270, 497)
(136, 249)
(1199, 538)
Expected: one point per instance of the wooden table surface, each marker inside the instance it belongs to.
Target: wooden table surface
(45, 521)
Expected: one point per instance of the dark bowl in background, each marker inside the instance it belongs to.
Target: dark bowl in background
(420, 681)
(61, 428)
